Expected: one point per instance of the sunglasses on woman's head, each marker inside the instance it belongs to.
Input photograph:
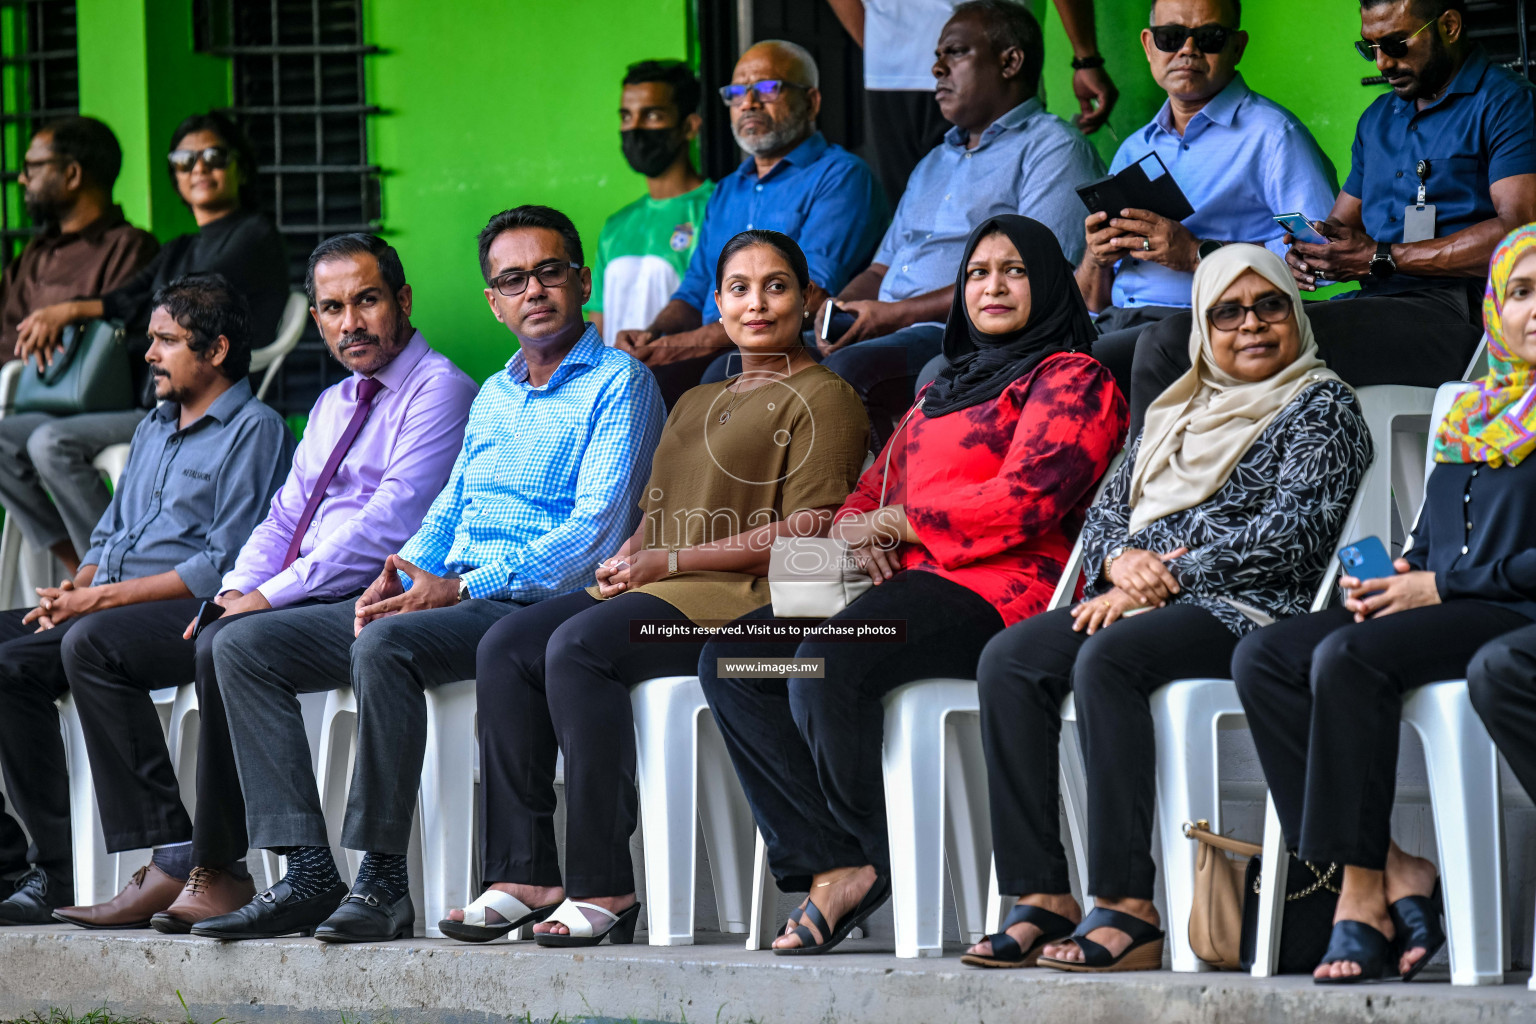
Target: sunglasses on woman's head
(183, 160)
(1229, 316)
(1208, 38)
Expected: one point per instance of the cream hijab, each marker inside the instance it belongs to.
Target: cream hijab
(1198, 430)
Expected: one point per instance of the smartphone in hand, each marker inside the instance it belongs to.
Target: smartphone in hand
(1301, 229)
(1367, 559)
(206, 614)
(834, 323)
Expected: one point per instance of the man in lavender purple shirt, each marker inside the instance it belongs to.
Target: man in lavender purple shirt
(378, 448)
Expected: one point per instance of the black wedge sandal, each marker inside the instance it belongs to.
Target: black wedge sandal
(1358, 943)
(873, 900)
(1145, 953)
(1419, 923)
(1006, 952)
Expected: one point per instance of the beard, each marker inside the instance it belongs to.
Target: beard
(779, 135)
(1436, 74)
(42, 210)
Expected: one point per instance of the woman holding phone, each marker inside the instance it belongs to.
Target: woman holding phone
(771, 451)
(1324, 692)
(1221, 519)
(990, 474)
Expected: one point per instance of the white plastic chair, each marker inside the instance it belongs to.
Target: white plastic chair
(1398, 417)
(290, 328)
(685, 776)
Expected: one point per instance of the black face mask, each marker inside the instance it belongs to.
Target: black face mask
(650, 150)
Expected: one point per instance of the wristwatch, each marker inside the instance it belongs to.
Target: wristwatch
(672, 562)
(1383, 265)
(1207, 247)
(463, 590)
(1084, 63)
(1109, 560)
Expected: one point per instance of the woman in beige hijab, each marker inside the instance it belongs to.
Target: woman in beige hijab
(1221, 519)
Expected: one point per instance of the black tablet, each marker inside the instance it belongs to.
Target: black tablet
(1143, 185)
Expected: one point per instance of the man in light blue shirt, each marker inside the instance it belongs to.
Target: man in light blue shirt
(1004, 154)
(555, 454)
(1239, 158)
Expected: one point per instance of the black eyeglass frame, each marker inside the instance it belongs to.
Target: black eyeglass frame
(1209, 38)
(184, 161)
(1278, 303)
(559, 274)
(1397, 49)
(735, 94)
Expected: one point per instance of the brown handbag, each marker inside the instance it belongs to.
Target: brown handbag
(1216, 915)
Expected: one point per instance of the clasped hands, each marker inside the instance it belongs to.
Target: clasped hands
(630, 569)
(387, 595)
(1410, 588)
(57, 605)
(1141, 580)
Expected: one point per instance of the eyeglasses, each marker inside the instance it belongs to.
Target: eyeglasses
(31, 167)
(550, 275)
(1229, 316)
(768, 90)
(1397, 49)
(183, 160)
(1208, 38)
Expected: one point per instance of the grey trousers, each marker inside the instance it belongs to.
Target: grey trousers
(42, 455)
(264, 661)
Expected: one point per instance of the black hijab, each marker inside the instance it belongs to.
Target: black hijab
(981, 365)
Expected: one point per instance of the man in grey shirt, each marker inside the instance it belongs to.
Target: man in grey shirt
(1005, 154)
(204, 466)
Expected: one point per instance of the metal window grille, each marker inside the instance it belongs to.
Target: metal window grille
(299, 93)
(39, 80)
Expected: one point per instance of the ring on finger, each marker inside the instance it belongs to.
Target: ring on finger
(1146, 245)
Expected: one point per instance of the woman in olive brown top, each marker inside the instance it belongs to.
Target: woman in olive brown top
(770, 451)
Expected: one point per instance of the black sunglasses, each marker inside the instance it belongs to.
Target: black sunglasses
(1397, 49)
(183, 160)
(550, 275)
(1208, 38)
(1229, 316)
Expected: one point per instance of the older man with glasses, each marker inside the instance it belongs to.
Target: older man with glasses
(556, 451)
(1443, 167)
(793, 181)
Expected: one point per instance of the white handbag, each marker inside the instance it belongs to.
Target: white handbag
(817, 577)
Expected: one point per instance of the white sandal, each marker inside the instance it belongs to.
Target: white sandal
(620, 930)
(516, 915)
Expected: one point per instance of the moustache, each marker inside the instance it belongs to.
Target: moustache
(155, 371)
(358, 338)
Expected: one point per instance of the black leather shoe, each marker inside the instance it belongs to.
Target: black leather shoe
(35, 899)
(273, 913)
(362, 918)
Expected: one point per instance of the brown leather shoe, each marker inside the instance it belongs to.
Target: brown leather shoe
(209, 892)
(146, 894)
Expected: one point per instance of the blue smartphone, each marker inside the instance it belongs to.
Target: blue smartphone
(1367, 559)
(1301, 229)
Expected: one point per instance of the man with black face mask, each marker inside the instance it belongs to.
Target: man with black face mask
(645, 247)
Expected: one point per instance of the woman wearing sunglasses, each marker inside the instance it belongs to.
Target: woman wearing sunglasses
(1324, 693)
(213, 167)
(1220, 520)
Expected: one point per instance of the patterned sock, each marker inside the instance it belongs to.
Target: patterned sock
(311, 871)
(175, 860)
(383, 875)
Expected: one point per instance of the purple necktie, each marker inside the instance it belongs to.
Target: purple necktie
(367, 388)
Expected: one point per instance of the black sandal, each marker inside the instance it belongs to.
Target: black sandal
(1145, 953)
(1358, 943)
(873, 900)
(1418, 923)
(1006, 952)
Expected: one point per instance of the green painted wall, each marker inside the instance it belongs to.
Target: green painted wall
(490, 104)
(139, 74)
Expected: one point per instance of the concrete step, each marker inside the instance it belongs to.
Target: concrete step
(444, 982)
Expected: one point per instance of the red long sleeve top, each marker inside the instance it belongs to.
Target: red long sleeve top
(997, 492)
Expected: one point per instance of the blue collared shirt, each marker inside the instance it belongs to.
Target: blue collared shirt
(549, 478)
(1241, 160)
(1482, 129)
(821, 195)
(1028, 161)
(190, 496)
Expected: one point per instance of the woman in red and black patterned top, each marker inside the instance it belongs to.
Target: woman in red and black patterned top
(990, 476)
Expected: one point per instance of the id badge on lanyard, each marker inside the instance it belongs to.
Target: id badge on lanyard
(1419, 218)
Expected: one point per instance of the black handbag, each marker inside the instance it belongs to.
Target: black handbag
(1311, 894)
(89, 374)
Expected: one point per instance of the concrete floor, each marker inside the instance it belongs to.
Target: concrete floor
(306, 982)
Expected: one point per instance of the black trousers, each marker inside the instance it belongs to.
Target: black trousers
(1502, 683)
(808, 750)
(1423, 338)
(116, 658)
(1120, 327)
(1025, 674)
(1324, 697)
(555, 676)
(903, 125)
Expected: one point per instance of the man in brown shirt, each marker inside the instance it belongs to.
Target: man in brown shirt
(83, 247)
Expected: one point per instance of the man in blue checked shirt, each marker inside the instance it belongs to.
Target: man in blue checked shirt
(557, 449)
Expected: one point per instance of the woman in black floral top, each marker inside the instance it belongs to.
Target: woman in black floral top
(1221, 519)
